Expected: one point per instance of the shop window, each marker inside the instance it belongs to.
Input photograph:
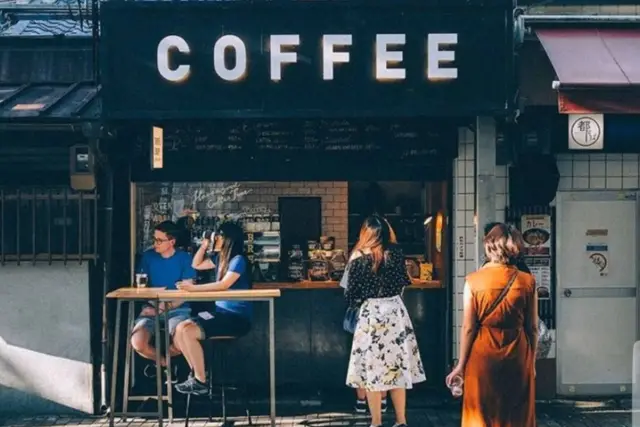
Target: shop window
(416, 211)
(54, 224)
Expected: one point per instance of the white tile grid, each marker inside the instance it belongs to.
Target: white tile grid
(464, 208)
(464, 230)
(578, 171)
(586, 171)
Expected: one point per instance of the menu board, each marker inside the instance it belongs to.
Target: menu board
(201, 207)
(404, 137)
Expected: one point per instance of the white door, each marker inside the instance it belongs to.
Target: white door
(597, 279)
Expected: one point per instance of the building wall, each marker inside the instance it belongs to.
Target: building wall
(582, 171)
(45, 354)
(334, 197)
(578, 171)
(464, 225)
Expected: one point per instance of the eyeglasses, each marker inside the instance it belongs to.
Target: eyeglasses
(158, 241)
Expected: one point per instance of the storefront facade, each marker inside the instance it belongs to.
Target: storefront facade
(577, 141)
(49, 239)
(299, 125)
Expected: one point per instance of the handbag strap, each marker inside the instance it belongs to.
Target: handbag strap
(498, 300)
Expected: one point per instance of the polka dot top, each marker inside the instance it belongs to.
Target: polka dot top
(389, 281)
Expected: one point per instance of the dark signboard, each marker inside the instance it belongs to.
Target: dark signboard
(163, 60)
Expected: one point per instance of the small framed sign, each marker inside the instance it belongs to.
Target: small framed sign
(157, 146)
(586, 131)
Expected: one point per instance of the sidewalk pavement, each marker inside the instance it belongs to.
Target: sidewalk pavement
(550, 414)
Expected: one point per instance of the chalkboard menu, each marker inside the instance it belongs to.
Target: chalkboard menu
(401, 138)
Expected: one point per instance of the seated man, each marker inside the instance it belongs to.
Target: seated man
(165, 266)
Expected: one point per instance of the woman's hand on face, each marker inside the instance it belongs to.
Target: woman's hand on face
(457, 372)
(205, 243)
(186, 286)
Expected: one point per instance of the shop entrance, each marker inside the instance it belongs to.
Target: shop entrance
(299, 231)
(597, 292)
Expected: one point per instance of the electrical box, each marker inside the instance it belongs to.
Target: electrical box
(82, 168)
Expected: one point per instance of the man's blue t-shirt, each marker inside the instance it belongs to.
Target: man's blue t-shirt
(239, 265)
(165, 272)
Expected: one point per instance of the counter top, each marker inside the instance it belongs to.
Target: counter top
(307, 284)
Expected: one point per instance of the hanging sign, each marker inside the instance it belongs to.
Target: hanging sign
(157, 146)
(306, 59)
(586, 131)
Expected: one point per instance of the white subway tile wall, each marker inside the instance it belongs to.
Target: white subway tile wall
(578, 171)
(464, 227)
(585, 171)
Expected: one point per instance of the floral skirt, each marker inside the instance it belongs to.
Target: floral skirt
(384, 354)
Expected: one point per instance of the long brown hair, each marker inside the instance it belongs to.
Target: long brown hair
(376, 235)
(232, 245)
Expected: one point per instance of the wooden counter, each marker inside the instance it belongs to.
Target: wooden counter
(308, 284)
(309, 333)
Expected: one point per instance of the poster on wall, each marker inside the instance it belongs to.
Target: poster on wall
(597, 250)
(541, 269)
(536, 232)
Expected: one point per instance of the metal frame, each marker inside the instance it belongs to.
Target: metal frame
(39, 202)
(127, 373)
(169, 398)
(590, 195)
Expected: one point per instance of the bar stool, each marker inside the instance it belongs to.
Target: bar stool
(218, 346)
(162, 340)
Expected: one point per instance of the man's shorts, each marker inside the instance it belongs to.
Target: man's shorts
(175, 317)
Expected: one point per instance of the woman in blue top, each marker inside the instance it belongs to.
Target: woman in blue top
(226, 318)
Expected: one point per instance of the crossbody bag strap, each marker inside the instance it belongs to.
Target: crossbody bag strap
(498, 300)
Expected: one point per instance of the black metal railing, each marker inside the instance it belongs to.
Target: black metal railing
(54, 224)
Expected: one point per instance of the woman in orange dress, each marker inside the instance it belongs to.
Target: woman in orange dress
(498, 346)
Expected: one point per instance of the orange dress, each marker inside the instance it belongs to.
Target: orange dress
(499, 383)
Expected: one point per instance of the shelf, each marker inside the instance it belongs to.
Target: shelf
(307, 284)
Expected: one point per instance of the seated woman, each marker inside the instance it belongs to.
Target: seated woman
(226, 318)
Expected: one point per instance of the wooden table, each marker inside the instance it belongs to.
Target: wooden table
(162, 296)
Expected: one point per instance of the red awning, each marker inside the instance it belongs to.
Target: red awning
(598, 69)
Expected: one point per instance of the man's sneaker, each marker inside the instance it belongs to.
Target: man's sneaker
(361, 406)
(192, 386)
(383, 405)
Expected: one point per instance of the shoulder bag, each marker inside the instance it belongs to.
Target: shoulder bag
(498, 300)
(490, 310)
(350, 320)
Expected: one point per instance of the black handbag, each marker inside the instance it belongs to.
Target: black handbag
(350, 321)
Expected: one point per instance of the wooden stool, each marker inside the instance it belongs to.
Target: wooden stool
(219, 343)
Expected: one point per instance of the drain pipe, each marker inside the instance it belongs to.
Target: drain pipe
(107, 260)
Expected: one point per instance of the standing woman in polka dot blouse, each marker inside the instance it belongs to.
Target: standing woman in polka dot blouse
(384, 354)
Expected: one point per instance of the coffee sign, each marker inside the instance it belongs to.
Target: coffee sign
(168, 60)
(387, 61)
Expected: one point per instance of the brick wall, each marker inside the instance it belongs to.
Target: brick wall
(252, 197)
(334, 202)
